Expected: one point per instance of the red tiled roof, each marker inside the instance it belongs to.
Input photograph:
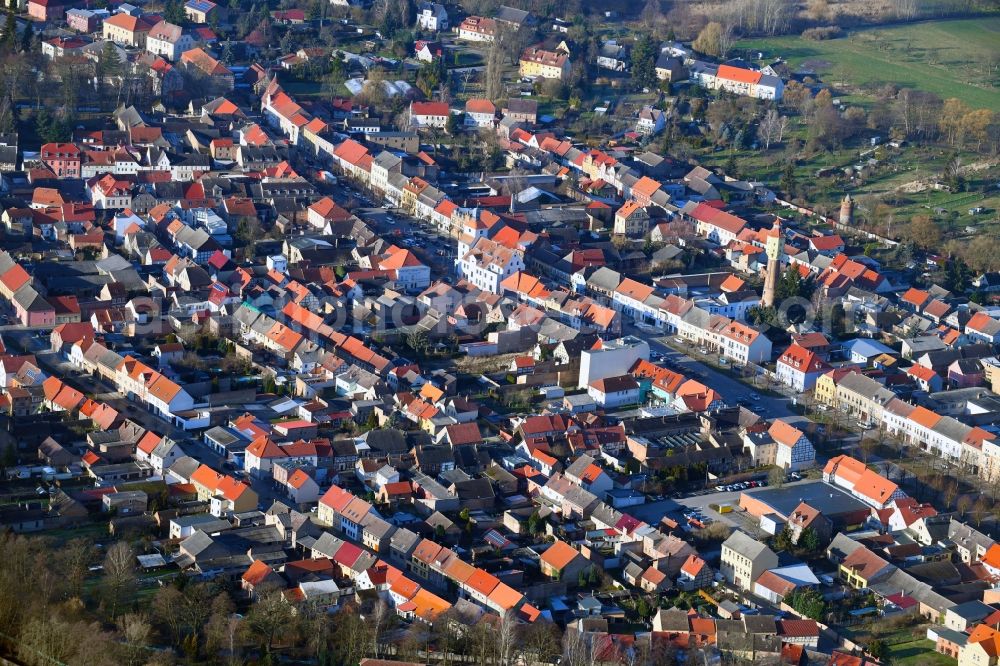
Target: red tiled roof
(738, 74)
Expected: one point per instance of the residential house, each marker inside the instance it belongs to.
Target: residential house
(614, 392)
(432, 16)
(429, 114)
(744, 559)
(542, 63)
(168, 40)
(477, 29)
(799, 368)
(563, 562)
(480, 113)
(126, 30)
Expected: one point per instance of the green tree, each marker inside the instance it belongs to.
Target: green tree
(9, 32)
(173, 12)
(809, 540)
(27, 37)
(536, 523)
(957, 275)
(839, 323)
(732, 168)
(788, 180)
(759, 315)
(644, 63)
(791, 285)
(454, 124)
(878, 649)
(783, 540)
(642, 607)
(50, 128)
(808, 603)
(110, 64)
(417, 341)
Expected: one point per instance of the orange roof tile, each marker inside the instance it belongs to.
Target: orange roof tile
(988, 638)
(738, 74)
(257, 573)
(482, 582)
(559, 555)
(505, 597)
(924, 417)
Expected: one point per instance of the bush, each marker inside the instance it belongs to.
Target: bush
(822, 33)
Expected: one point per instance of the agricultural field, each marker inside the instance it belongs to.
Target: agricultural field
(959, 58)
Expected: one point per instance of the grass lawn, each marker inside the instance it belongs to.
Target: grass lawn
(943, 57)
(918, 653)
(304, 88)
(96, 531)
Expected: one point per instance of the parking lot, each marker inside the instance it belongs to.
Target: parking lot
(734, 518)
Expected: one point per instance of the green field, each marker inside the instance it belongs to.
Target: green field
(948, 58)
(918, 653)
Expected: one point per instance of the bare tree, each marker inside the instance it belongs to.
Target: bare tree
(709, 39)
(819, 10)
(75, 558)
(268, 617)
(767, 16)
(167, 609)
(135, 630)
(904, 9)
(727, 39)
(540, 642)
(578, 648)
(482, 643)
(493, 73)
(506, 637)
(770, 128)
(376, 623)
(776, 477)
(950, 492)
(963, 504)
(981, 509)
(447, 633)
(352, 635)
(373, 91)
(45, 641)
(867, 445)
(119, 573)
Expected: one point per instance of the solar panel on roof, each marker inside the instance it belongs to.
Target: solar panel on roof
(496, 539)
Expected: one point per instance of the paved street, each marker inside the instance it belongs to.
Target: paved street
(54, 365)
(732, 389)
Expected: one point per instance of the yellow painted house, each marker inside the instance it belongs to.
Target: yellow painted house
(982, 648)
(538, 62)
(862, 567)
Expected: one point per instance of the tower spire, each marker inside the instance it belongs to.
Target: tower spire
(773, 247)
